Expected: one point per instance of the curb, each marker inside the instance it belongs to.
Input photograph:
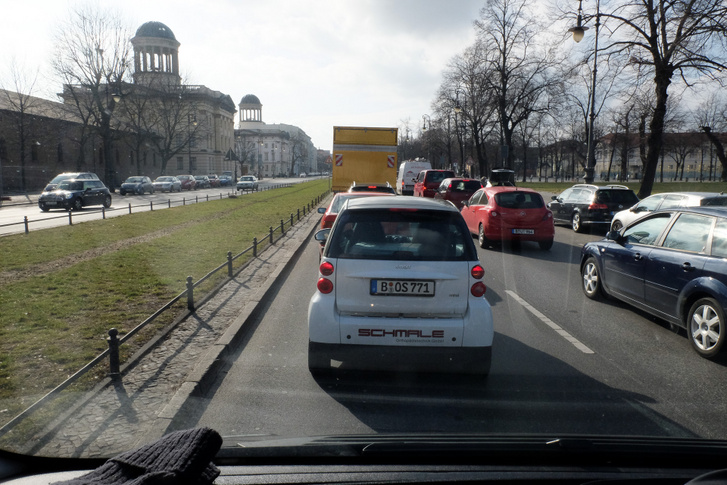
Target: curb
(207, 369)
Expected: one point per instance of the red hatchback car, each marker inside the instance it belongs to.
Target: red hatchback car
(457, 190)
(506, 213)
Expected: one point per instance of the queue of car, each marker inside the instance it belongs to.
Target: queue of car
(75, 190)
(382, 272)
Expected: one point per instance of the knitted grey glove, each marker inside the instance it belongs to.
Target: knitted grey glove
(179, 457)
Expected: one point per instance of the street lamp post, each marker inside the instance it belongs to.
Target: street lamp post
(578, 33)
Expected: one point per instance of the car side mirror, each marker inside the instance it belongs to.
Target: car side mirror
(322, 235)
(615, 236)
(466, 203)
(321, 210)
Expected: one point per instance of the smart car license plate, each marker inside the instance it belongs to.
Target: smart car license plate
(402, 287)
(523, 231)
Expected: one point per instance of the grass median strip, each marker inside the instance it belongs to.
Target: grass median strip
(64, 288)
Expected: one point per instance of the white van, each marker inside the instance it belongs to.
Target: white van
(408, 171)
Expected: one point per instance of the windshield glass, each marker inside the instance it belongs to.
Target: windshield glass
(250, 304)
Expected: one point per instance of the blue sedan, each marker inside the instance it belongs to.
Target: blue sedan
(671, 264)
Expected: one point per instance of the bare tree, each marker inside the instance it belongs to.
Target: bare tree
(92, 60)
(711, 119)
(21, 101)
(668, 37)
(522, 73)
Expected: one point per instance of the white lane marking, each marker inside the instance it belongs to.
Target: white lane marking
(558, 329)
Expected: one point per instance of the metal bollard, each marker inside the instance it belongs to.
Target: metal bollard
(291, 220)
(229, 264)
(113, 341)
(151, 205)
(129, 207)
(299, 214)
(254, 247)
(169, 203)
(271, 234)
(103, 212)
(70, 218)
(190, 294)
(25, 221)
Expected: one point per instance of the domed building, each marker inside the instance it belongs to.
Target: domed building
(156, 54)
(275, 150)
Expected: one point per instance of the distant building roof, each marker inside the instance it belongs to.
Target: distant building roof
(155, 29)
(250, 99)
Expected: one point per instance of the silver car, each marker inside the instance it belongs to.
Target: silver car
(666, 200)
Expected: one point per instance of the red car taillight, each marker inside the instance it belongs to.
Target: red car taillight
(597, 207)
(548, 215)
(477, 290)
(325, 286)
(326, 269)
(477, 272)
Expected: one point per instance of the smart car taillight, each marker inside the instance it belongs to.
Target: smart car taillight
(477, 272)
(477, 290)
(325, 285)
(326, 269)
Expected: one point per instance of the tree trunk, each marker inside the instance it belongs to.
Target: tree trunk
(720, 151)
(662, 79)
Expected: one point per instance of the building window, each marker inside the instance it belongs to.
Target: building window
(193, 164)
(34, 151)
(180, 163)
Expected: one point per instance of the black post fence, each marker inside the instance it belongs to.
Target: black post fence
(114, 342)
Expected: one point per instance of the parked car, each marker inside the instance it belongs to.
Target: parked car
(226, 179)
(384, 188)
(457, 190)
(247, 182)
(585, 206)
(671, 264)
(399, 288)
(137, 185)
(203, 182)
(53, 184)
(507, 213)
(167, 183)
(74, 194)
(427, 182)
(188, 182)
(666, 200)
(214, 180)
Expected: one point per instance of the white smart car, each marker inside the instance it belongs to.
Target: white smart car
(400, 287)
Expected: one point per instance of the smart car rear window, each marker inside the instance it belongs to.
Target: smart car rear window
(391, 234)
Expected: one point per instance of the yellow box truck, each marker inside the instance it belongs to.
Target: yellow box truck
(363, 155)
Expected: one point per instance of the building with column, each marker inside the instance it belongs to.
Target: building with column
(270, 150)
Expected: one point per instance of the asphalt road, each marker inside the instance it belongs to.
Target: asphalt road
(561, 364)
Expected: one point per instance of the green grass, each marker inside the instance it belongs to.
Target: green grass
(62, 289)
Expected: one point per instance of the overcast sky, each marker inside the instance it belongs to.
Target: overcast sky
(313, 63)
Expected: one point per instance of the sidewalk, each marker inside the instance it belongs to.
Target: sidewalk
(119, 416)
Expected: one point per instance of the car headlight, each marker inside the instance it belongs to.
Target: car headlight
(67, 195)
